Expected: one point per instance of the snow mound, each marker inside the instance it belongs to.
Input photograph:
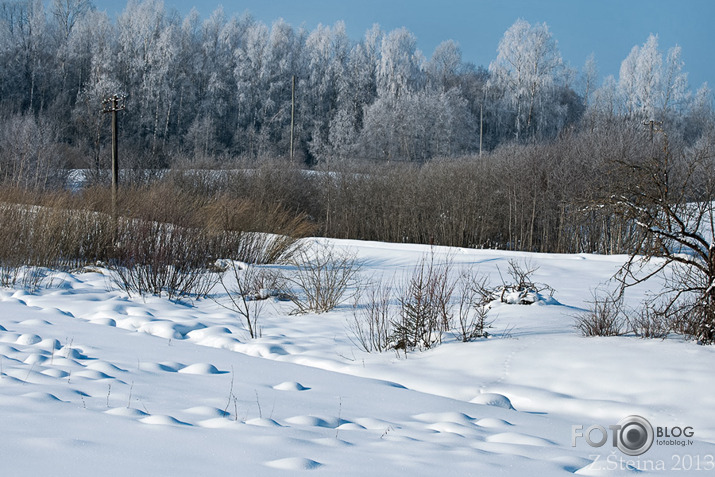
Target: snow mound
(28, 339)
(126, 412)
(55, 373)
(201, 368)
(263, 422)
(104, 321)
(162, 329)
(35, 322)
(35, 358)
(207, 332)
(8, 350)
(91, 374)
(312, 421)
(163, 421)
(290, 386)
(455, 417)
(294, 463)
(49, 344)
(493, 399)
(40, 396)
(156, 368)
(216, 423)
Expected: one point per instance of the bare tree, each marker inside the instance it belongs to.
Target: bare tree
(670, 198)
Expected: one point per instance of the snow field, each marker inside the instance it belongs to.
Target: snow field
(95, 383)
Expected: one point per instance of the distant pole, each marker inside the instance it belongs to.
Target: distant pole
(481, 128)
(113, 104)
(292, 116)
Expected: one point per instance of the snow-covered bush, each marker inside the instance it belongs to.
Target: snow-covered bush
(522, 290)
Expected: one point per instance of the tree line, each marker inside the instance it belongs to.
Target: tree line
(221, 87)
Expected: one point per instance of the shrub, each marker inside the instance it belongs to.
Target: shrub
(651, 322)
(425, 310)
(472, 309)
(522, 290)
(322, 276)
(371, 326)
(152, 257)
(604, 317)
(247, 291)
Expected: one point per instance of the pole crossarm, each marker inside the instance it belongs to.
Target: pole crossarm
(116, 102)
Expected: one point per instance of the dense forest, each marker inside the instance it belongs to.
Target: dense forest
(222, 87)
(526, 153)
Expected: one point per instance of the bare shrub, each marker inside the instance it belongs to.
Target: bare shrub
(605, 316)
(265, 248)
(154, 258)
(323, 277)
(651, 322)
(425, 309)
(247, 291)
(371, 326)
(472, 308)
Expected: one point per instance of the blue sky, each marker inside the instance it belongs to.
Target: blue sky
(608, 28)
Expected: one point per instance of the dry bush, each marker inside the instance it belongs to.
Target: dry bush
(247, 291)
(323, 277)
(37, 230)
(605, 316)
(165, 239)
(265, 234)
(472, 308)
(156, 258)
(371, 326)
(651, 322)
(425, 309)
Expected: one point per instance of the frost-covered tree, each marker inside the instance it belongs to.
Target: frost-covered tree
(444, 66)
(529, 70)
(327, 51)
(650, 88)
(589, 79)
(399, 70)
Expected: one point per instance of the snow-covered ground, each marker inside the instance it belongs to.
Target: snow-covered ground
(93, 382)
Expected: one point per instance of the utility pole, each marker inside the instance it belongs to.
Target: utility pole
(113, 104)
(292, 115)
(481, 127)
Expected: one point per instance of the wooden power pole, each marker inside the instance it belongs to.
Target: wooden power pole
(114, 104)
(292, 115)
(481, 127)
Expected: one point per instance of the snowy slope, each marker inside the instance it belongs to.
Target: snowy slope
(95, 383)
